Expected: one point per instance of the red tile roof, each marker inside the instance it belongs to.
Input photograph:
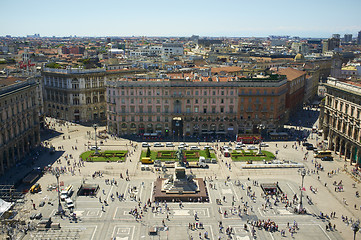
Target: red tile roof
(291, 73)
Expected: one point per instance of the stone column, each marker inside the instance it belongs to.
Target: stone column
(2, 162)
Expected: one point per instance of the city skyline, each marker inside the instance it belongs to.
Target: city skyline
(160, 18)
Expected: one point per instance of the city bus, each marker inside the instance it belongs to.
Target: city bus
(322, 154)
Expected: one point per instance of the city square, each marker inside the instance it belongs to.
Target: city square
(236, 198)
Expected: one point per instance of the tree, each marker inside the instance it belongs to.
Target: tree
(208, 154)
(148, 152)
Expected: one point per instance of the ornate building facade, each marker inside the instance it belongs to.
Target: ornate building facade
(201, 106)
(19, 119)
(76, 95)
(341, 118)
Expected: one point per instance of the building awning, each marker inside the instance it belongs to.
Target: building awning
(4, 206)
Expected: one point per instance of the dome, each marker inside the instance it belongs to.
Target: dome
(299, 57)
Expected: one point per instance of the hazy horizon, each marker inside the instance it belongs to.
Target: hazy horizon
(231, 18)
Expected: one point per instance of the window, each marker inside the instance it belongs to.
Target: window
(230, 109)
(205, 101)
(231, 100)
(204, 110)
(158, 109)
(214, 93)
(222, 92)
(166, 109)
(133, 119)
(149, 101)
(196, 109)
(149, 93)
(231, 92)
(188, 101)
(158, 118)
(188, 93)
(196, 93)
(141, 119)
(149, 109)
(196, 101)
(158, 101)
(123, 119)
(140, 100)
(222, 100)
(205, 93)
(141, 109)
(123, 101)
(132, 101)
(166, 119)
(132, 109)
(188, 109)
(123, 109)
(149, 118)
(213, 109)
(222, 109)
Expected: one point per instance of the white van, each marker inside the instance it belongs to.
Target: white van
(69, 203)
(66, 192)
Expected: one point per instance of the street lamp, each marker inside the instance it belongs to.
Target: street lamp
(355, 228)
(60, 208)
(303, 174)
(260, 128)
(95, 126)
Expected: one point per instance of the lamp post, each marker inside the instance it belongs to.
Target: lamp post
(95, 126)
(260, 128)
(355, 228)
(60, 208)
(303, 174)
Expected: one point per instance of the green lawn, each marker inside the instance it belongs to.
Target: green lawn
(104, 156)
(166, 155)
(243, 156)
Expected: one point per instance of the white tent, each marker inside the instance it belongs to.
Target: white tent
(4, 206)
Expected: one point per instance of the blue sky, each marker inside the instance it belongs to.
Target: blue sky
(306, 18)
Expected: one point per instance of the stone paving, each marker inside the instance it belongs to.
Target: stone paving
(115, 222)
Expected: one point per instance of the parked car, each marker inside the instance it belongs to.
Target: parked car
(194, 148)
(238, 147)
(169, 144)
(310, 147)
(95, 147)
(264, 145)
(305, 144)
(183, 144)
(208, 147)
(145, 144)
(38, 216)
(241, 144)
(251, 147)
(227, 148)
(157, 144)
(327, 159)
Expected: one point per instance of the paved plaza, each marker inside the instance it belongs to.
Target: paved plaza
(242, 199)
